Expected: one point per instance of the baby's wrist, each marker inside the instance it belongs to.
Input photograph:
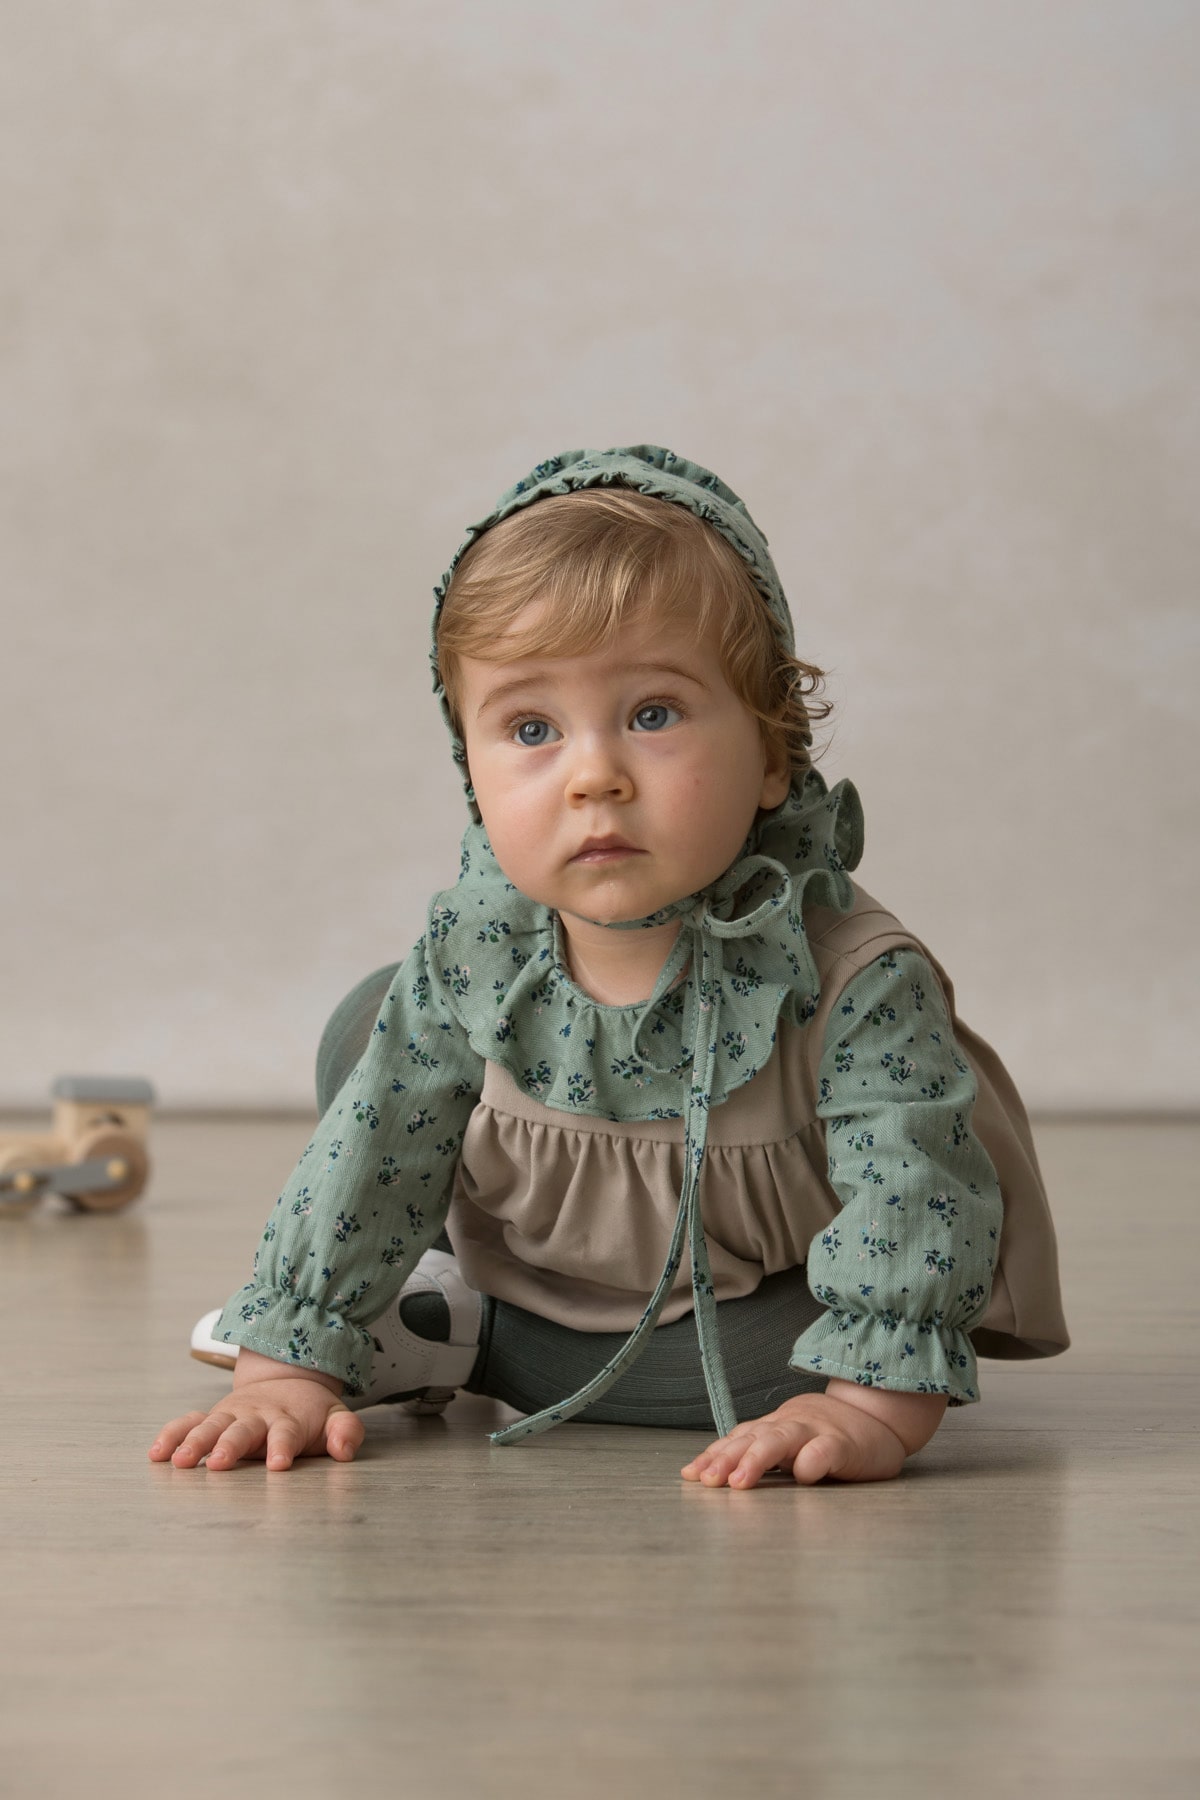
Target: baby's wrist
(913, 1418)
(252, 1366)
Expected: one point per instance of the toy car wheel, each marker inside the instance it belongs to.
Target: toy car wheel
(15, 1203)
(128, 1165)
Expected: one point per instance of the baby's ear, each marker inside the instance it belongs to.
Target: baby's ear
(777, 770)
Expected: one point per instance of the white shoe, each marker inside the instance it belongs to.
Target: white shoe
(420, 1372)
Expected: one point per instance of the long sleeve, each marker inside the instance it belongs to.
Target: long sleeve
(907, 1265)
(370, 1192)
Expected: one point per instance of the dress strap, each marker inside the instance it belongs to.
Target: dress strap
(703, 935)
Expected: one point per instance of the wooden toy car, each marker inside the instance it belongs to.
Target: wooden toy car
(94, 1153)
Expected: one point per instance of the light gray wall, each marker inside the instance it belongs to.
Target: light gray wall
(293, 288)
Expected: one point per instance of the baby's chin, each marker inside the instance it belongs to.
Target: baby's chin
(615, 917)
(603, 904)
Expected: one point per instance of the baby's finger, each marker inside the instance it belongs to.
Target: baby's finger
(200, 1439)
(240, 1438)
(344, 1433)
(719, 1461)
(821, 1457)
(717, 1455)
(286, 1439)
(692, 1471)
(773, 1447)
(172, 1435)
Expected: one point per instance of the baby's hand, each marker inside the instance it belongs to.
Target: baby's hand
(848, 1432)
(274, 1412)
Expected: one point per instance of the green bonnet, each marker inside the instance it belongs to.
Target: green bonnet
(651, 470)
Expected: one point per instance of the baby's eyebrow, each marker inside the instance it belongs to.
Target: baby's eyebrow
(644, 671)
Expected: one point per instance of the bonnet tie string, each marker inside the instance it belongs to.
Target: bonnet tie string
(701, 939)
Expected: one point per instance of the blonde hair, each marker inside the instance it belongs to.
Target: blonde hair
(601, 556)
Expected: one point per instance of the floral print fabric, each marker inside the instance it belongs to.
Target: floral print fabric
(369, 1193)
(903, 1270)
(907, 1265)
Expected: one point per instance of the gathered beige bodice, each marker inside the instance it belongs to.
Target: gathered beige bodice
(567, 1214)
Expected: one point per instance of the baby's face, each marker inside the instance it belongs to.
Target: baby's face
(613, 783)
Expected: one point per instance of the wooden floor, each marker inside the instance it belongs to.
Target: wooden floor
(1016, 1615)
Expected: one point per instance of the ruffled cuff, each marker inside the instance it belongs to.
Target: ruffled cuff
(295, 1328)
(885, 1352)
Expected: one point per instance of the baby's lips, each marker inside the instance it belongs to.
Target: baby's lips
(606, 846)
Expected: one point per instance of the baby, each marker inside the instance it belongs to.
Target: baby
(664, 1108)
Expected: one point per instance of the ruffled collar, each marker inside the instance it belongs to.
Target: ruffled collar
(502, 962)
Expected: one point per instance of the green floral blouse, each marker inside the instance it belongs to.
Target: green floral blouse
(903, 1271)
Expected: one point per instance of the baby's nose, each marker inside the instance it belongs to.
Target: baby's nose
(598, 772)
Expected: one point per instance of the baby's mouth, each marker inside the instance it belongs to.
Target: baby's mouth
(604, 849)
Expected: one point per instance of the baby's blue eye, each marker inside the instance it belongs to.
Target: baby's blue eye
(653, 718)
(533, 732)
